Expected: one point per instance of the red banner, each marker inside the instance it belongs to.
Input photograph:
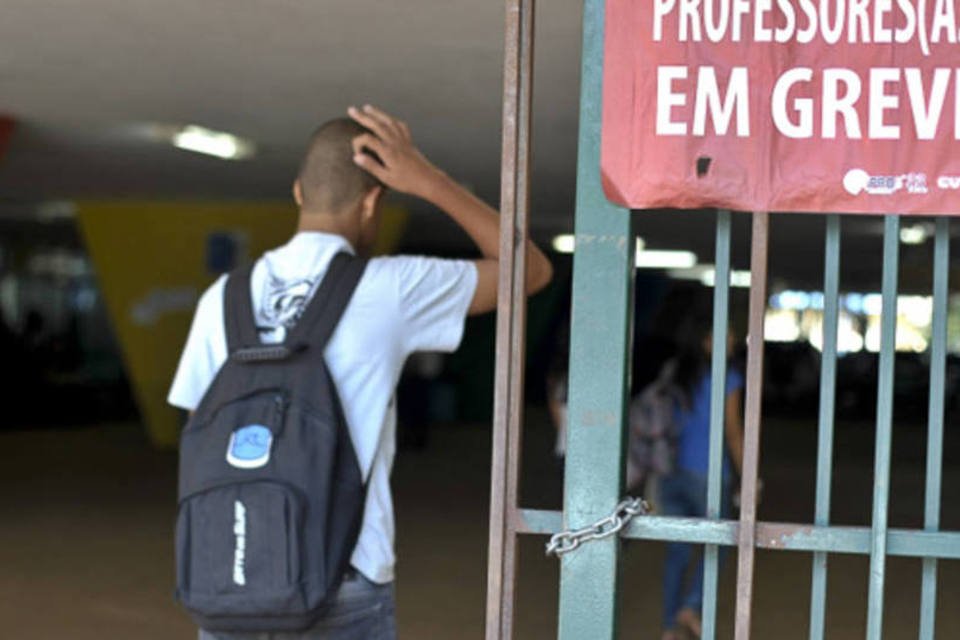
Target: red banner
(847, 106)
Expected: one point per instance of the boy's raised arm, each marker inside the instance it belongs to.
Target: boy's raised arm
(404, 169)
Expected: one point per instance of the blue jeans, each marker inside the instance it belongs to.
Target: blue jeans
(362, 610)
(684, 493)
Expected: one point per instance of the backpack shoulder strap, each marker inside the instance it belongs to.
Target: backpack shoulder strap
(238, 311)
(330, 300)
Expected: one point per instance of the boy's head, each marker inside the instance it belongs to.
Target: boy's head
(329, 182)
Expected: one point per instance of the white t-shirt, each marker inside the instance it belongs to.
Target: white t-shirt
(402, 304)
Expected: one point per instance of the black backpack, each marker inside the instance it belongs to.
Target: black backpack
(271, 495)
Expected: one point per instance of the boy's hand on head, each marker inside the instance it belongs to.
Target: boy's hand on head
(402, 167)
(405, 169)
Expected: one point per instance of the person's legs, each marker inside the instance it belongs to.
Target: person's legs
(675, 568)
(673, 503)
(362, 610)
(696, 494)
(693, 599)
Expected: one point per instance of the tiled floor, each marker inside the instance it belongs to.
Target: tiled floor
(86, 518)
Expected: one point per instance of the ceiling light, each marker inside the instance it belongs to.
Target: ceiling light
(697, 273)
(565, 243)
(55, 210)
(914, 234)
(706, 275)
(791, 300)
(738, 279)
(213, 143)
(660, 259)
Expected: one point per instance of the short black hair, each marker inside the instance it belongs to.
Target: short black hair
(330, 180)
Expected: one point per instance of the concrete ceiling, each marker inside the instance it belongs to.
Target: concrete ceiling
(81, 77)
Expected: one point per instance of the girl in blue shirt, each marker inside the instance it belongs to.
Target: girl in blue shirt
(684, 491)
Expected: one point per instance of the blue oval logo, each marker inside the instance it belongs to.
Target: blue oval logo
(249, 447)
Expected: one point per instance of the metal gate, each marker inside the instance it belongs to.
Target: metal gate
(599, 389)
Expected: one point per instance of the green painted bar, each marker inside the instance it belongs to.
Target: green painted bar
(881, 468)
(718, 372)
(661, 528)
(924, 544)
(539, 521)
(828, 377)
(792, 537)
(692, 530)
(900, 542)
(601, 334)
(938, 365)
(782, 536)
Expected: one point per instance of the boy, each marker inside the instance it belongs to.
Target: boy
(402, 305)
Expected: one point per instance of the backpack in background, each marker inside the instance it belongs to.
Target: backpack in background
(652, 438)
(271, 495)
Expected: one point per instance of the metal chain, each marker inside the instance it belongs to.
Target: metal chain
(567, 541)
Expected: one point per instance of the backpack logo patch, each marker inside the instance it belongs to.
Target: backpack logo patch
(249, 447)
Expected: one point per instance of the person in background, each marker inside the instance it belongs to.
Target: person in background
(557, 382)
(683, 492)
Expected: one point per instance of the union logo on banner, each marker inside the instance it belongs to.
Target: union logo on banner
(846, 106)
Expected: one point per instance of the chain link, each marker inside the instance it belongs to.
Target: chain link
(567, 541)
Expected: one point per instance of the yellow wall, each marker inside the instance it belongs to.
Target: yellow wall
(151, 264)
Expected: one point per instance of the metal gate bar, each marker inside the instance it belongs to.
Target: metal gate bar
(828, 378)
(718, 397)
(599, 378)
(881, 468)
(777, 536)
(938, 365)
(511, 317)
(751, 442)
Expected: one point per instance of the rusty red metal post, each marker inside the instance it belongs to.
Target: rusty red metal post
(751, 441)
(511, 318)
